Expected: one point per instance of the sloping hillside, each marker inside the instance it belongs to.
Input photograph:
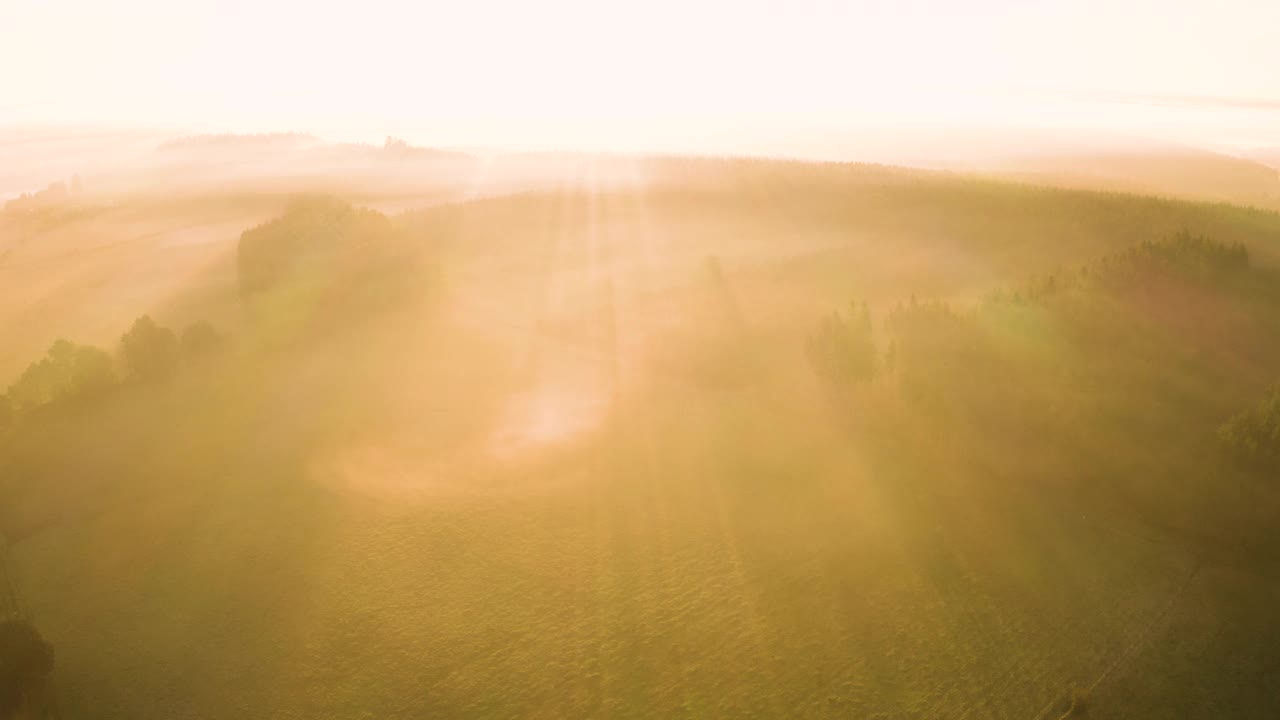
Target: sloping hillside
(592, 472)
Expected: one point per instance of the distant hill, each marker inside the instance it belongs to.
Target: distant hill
(1269, 156)
(1180, 173)
(282, 141)
(1075, 159)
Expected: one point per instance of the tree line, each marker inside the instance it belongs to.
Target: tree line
(322, 264)
(71, 373)
(1076, 361)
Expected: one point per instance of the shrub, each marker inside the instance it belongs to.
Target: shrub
(150, 351)
(1252, 437)
(200, 338)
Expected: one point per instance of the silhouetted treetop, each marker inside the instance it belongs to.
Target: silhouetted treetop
(1181, 257)
(200, 338)
(149, 351)
(841, 349)
(314, 234)
(67, 372)
(1252, 437)
(323, 265)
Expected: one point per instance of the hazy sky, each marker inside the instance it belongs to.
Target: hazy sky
(566, 71)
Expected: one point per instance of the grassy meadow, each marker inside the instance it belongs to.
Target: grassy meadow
(587, 450)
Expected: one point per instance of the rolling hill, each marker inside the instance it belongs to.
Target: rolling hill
(589, 471)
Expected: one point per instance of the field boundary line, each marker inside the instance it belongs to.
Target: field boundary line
(1130, 650)
(1140, 641)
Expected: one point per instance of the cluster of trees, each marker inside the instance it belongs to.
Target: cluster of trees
(1188, 251)
(325, 263)
(400, 149)
(56, 193)
(930, 347)
(1183, 256)
(67, 372)
(938, 354)
(322, 261)
(1252, 437)
(946, 366)
(316, 236)
(71, 373)
(842, 349)
(1110, 362)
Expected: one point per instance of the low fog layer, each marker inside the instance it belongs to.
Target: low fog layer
(303, 429)
(118, 162)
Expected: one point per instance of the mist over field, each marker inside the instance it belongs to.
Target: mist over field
(485, 361)
(331, 430)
